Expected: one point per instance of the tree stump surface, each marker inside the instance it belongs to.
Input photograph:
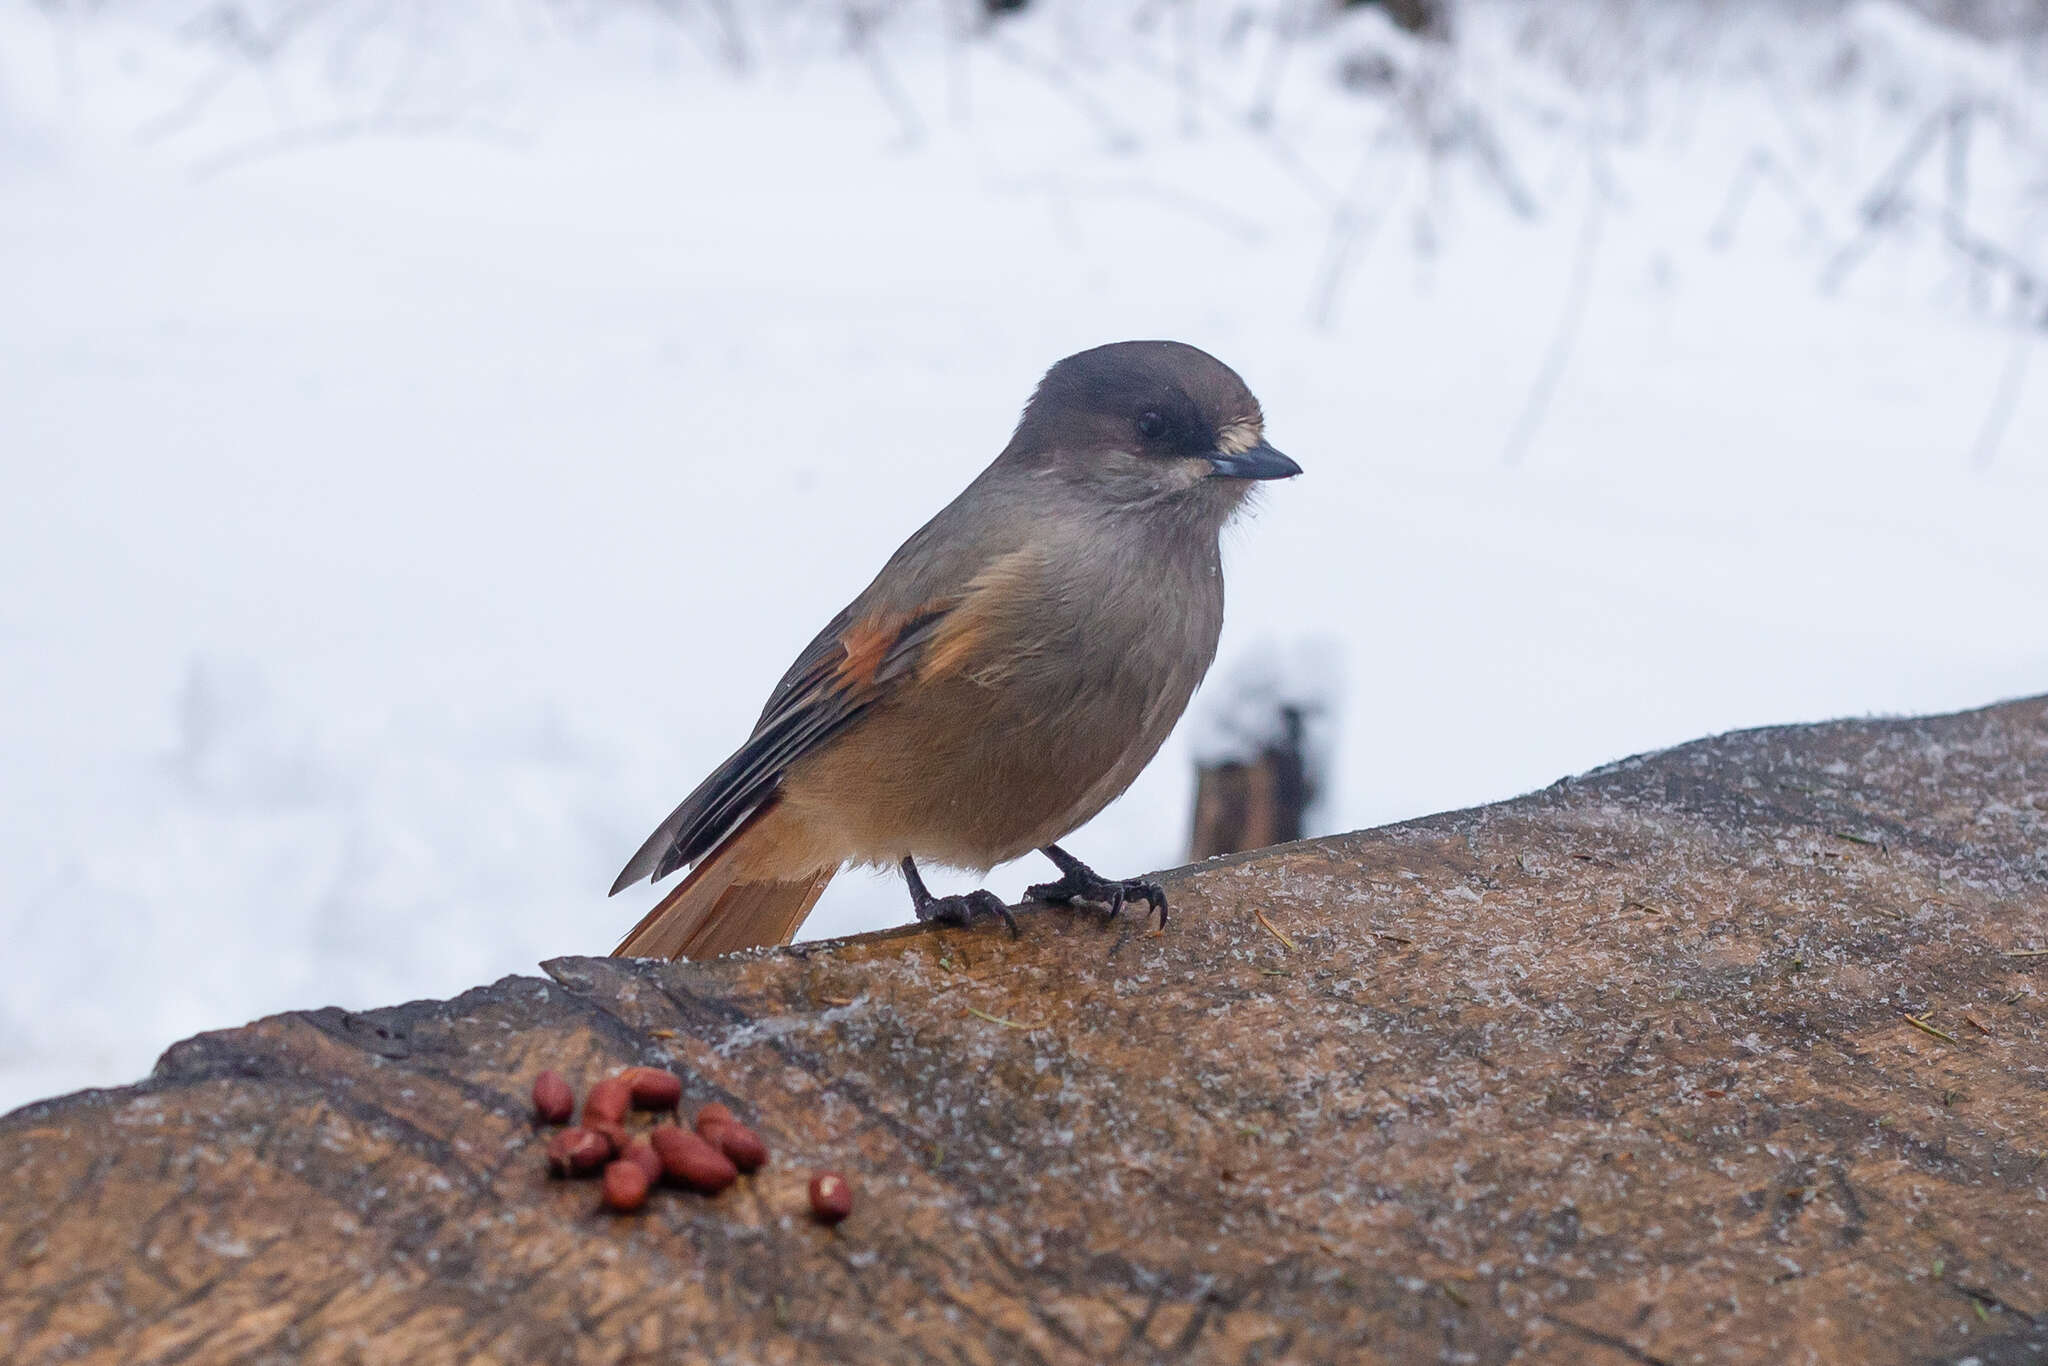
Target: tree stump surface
(1623, 1071)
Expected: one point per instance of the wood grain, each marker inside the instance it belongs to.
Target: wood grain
(1617, 1072)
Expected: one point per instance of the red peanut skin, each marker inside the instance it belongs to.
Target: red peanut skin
(641, 1154)
(625, 1186)
(688, 1160)
(831, 1197)
(714, 1113)
(553, 1101)
(608, 1101)
(741, 1145)
(577, 1152)
(654, 1089)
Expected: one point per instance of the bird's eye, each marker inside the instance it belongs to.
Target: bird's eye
(1151, 426)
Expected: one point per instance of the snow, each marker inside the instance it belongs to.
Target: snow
(425, 445)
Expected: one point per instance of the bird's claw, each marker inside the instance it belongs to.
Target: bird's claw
(1081, 883)
(960, 910)
(953, 910)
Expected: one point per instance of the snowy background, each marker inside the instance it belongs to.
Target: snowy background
(428, 429)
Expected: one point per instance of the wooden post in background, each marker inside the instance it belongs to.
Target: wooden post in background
(1249, 804)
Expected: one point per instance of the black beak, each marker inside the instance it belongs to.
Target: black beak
(1260, 462)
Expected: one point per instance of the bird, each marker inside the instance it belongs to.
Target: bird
(1010, 671)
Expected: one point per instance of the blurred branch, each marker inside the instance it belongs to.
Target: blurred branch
(1475, 131)
(1761, 167)
(959, 47)
(1890, 204)
(2003, 401)
(730, 45)
(187, 111)
(1990, 257)
(230, 27)
(860, 31)
(233, 27)
(1885, 202)
(1284, 154)
(1354, 222)
(1240, 228)
(728, 21)
(1116, 136)
(350, 130)
(1189, 75)
(1287, 27)
(1570, 318)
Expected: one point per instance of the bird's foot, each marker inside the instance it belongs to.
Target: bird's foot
(954, 910)
(1079, 882)
(962, 908)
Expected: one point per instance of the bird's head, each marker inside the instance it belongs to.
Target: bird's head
(1147, 422)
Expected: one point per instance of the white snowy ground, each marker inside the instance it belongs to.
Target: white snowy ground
(422, 453)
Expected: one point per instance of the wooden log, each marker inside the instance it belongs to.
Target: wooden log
(1732, 1053)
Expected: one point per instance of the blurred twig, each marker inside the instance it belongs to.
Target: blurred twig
(1240, 228)
(1264, 135)
(1890, 204)
(861, 27)
(187, 111)
(1354, 222)
(2003, 401)
(1116, 135)
(735, 36)
(1477, 132)
(350, 130)
(1189, 74)
(247, 46)
(1570, 318)
(1287, 26)
(1886, 201)
(1762, 167)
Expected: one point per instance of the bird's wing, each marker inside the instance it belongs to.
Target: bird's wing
(853, 664)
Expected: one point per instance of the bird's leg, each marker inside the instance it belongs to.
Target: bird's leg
(953, 910)
(1079, 882)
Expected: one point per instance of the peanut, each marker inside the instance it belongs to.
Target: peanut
(641, 1153)
(577, 1152)
(654, 1089)
(625, 1186)
(741, 1145)
(831, 1197)
(614, 1135)
(608, 1101)
(553, 1101)
(688, 1160)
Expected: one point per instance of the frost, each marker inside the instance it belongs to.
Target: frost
(374, 497)
(221, 1244)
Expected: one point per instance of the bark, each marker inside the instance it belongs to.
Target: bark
(1730, 1053)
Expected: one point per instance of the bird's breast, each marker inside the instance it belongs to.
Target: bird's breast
(1066, 672)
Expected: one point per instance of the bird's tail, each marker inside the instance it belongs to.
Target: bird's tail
(727, 903)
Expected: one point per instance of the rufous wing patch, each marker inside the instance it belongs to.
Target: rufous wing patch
(866, 644)
(881, 648)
